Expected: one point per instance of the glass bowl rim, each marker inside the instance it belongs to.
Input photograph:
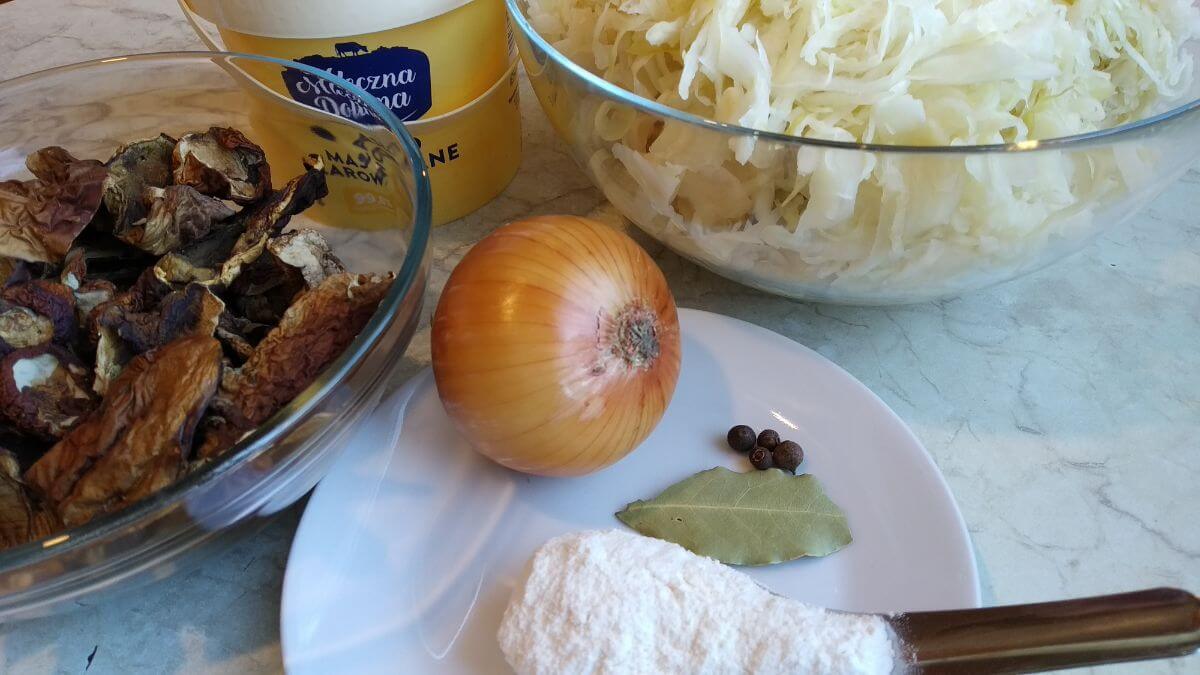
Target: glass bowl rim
(646, 105)
(251, 445)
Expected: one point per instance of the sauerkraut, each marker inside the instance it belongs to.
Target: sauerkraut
(855, 225)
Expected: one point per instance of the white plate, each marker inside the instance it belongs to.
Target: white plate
(405, 557)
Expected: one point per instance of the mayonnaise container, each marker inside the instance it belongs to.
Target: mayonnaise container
(446, 68)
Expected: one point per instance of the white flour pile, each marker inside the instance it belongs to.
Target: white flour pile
(622, 604)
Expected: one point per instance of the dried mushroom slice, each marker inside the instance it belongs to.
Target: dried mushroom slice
(133, 168)
(51, 300)
(178, 215)
(10, 466)
(112, 353)
(145, 294)
(21, 327)
(237, 348)
(123, 333)
(222, 163)
(53, 164)
(239, 336)
(297, 260)
(200, 261)
(43, 391)
(74, 269)
(308, 252)
(219, 258)
(111, 356)
(269, 217)
(39, 219)
(291, 263)
(194, 310)
(20, 521)
(140, 437)
(89, 293)
(314, 331)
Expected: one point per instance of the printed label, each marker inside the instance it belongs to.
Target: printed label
(397, 76)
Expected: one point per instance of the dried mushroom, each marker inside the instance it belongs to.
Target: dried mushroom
(313, 332)
(43, 391)
(40, 218)
(269, 217)
(222, 163)
(178, 215)
(89, 293)
(124, 333)
(139, 439)
(200, 261)
(21, 327)
(294, 260)
(74, 269)
(111, 356)
(239, 336)
(111, 351)
(152, 312)
(20, 522)
(133, 168)
(55, 165)
(220, 257)
(194, 310)
(48, 299)
(308, 252)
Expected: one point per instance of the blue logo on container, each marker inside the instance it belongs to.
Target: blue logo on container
(397, 76)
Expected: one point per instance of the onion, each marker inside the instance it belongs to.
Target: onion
(556, 345)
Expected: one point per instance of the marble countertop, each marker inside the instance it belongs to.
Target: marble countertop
(1063, 408)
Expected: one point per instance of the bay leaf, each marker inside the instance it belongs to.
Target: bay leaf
(755, 518)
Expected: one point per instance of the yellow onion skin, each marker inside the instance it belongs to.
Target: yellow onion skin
(556, 345)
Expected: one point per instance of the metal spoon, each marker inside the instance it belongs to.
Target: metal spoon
(1152, 624)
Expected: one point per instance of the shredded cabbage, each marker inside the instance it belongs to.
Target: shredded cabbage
(857, 225)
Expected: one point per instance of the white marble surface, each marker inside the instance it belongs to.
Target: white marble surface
(1064, 408)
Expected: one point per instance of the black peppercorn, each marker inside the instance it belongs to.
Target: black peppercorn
(768, 438)
(788, 455)
(761, 458)
(741, 438)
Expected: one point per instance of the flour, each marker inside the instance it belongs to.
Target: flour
(617, 603)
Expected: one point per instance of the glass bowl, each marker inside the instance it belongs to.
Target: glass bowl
(376, 218)
(884, 224)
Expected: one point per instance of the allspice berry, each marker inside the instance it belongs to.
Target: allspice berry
(741, 438)
(788, 455)
(768, 438)
(761, 458)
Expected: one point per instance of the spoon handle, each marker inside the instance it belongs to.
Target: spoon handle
(1156, 623)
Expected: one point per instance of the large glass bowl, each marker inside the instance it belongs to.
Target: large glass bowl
(914, 224)
(91, 108)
